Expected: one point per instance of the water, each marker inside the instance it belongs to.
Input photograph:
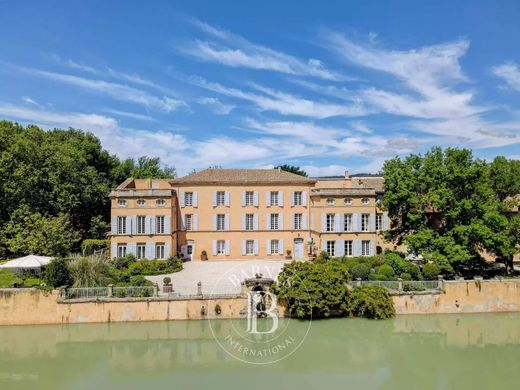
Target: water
(409, 352)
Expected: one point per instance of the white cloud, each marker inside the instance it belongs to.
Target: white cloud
(510, 73)
(235, 51)
(216, 105)
(131, 115)
(28, 99)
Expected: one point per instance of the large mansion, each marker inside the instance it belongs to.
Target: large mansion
(247, 213)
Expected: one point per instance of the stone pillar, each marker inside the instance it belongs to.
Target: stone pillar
(63, 292)
(358, 282)
(440, 282)
(199, 288)
(155, 290)
(400, 284)
(243, 288)
(110, 290)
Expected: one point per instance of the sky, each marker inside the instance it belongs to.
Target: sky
(327, 86)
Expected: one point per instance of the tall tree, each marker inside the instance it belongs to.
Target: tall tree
(293, 169)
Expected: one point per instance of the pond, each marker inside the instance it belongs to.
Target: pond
(471, 351)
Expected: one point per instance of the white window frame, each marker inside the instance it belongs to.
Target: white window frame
(221, 247)
(365, 248)
(221, 222)
(365, 222)
(275, 247)
(379, 222)
(331, 201)
(221, 198)
(249, 222)
(250, 247)
(347, 201)
(188, 221)
(159, 224)
(331, 248)
(122, 203)
(298, 221)
(250, 198)
(121, 225)
(347, 222)
(140, 251)
(349, 248)
(298, 198)
(365, 201)
(141, 202)
(121, 250)
(275, 198)
(329, 225)
(141, 224)
(159, 250)
(275, 221)
(188, 199)
(160, 202)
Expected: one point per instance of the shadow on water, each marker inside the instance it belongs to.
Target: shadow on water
(441, 351)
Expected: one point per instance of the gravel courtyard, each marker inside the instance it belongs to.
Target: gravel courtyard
(220, 277)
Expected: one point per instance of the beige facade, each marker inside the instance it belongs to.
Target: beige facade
(247, 214)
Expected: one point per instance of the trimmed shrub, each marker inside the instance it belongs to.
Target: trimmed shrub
(124, 262)
(387, 271)
(372, 302)
(89, 246)
(375, 261)
(405, 276)
(174, 263)
(57, 273)
(150, 267)
(431, 271)
(374, 276)
(413, 287)
(360, 271)
(139, 280)
(167, 280)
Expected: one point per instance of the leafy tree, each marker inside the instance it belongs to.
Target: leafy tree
(504, 175)
(57, 273)
(372, 302)
(144, 168)
(293, 169)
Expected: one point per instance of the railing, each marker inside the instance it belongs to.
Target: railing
(86, 292)
(400, 285)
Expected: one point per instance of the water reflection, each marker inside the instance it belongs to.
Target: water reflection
(441, 351)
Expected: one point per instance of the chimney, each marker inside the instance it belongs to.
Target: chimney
(346, 174)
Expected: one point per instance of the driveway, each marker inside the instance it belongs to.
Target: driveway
(218, 277)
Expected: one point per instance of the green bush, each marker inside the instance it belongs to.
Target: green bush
(151, 267)
(91, 271)
(89, 246)
(387, 271)
(431, 271)
(360, 271)
(372, 302)
(375, 261)
(413, 287)
(442, 261)
(124, 262)
(139, 280)
(57, 273)
(174, 263)
(374, 276)
(405, 276)
(323, 256)
(400, 265)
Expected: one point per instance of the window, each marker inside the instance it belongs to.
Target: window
(274, 198)
(365, 201)
(249, 222)
(331, 201)
(188, 198)
(298, 221)
(221, 221)
(250, 198)
(274, 221)
(141, 202)
(160, 202)
(221, 247)
(330, 223)
(365, 222)
(347, 222)
(275, 246)
(250, 247)
(331, 248)
(141, 221)
(121, 225)
(121, 250)
(188, 221)
(379, 222)
(348, 248)
(347, 201)
(159, 224)
(141, 251)
(297, 198)
(221, 198)
(365, 248)
(159, 251)
(121, 202)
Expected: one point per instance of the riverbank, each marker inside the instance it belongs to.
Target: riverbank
(32, 306)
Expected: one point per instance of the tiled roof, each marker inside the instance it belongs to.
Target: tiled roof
(375, 182)
(242, 176)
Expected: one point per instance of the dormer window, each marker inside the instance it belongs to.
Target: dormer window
(347, 201)
(141, 202)
(365, 201)
(160, 202)
(121, 202)
(331, 201)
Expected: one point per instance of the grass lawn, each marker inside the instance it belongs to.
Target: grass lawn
(8, 278)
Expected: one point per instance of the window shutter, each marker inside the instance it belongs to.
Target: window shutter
(243, 247)
(280, 221)
(227, 247)
(372, 222)
(183, 222)
(268, 222)
(149, 250)
(255, 199)
(182, 199)
(129, 225)
(226, 199)
(214, 247)
(167, 250)
(268, 198)
(114, 225)
(114, 251)
(356, 248)
(214, 216)
(280, 246)
(304, 221)
(340, 248)
(337, 222)
(195, 199)
(152, 225)
(280, 198)
(293, 222)
(243, 222)
(243, 198)
(292, 199)
(255, 221)
(226, 222)
(372, 251)
(385, 221)
(167, 224)
(214, 199)
(195, 222)
(268, 246)
(255, 247)
(323, 245)
(323, 222)
(312, 221)
(355, 222)
(304, 198)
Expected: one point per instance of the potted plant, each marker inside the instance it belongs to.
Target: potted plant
(167, 285)
(288, 254)
(204, 255)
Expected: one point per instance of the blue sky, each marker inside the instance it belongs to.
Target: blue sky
(324, 85)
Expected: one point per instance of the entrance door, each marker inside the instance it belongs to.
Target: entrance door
(189, 251)
(298, 248)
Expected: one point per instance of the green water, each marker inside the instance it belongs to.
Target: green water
(408, 352)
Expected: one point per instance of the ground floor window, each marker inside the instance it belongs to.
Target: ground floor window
(221, 247)
(365, 248)
(250, 247)
(379, 222)
(348, 248)
(121, 250)
(275, 246)
(331, 248)
(141, 251)
(159, 251)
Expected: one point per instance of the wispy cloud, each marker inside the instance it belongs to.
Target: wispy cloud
(127, 114)
(216, 105)
(28, 99)
(235, 51)
(510, 73)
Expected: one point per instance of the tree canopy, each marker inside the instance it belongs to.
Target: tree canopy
(58, 181)
(453, 207)
(293, 169)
